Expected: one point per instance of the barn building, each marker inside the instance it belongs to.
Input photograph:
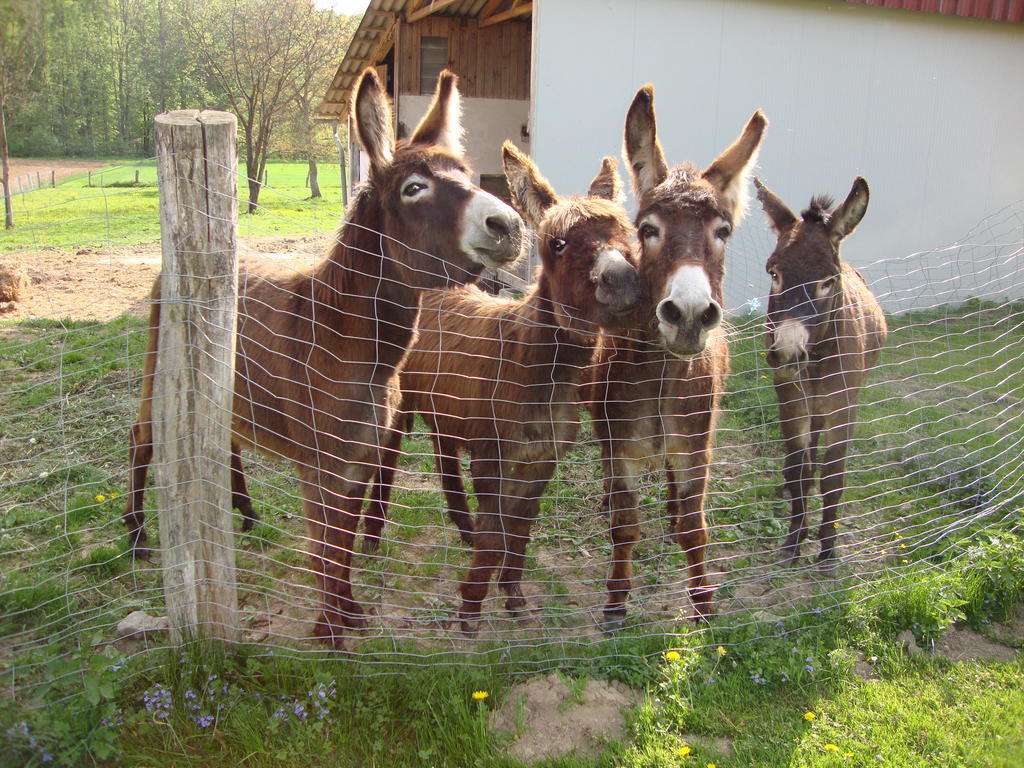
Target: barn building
(922, 97)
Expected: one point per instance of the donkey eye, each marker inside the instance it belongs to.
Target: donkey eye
(413, 188)
(826, 285)
(558, 245)
(723, 231)
(648, 231)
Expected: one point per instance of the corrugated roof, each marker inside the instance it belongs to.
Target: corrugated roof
(374, 26)
(994, 10)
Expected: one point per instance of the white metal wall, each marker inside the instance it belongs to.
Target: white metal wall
(488, 123)
(928, 108)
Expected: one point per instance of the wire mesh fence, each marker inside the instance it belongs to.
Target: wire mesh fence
(936, 460)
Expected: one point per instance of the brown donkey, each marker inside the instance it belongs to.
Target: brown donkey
(317, 355)
(654, 393)
(824, 333)
(498, 378)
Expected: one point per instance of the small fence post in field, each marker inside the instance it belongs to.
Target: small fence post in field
(192, 388)
(53, 178)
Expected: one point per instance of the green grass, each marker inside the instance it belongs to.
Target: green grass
(114, 210)
(65, 580)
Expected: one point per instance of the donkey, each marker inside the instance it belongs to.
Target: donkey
(654, 392)
(824, 333)
(318, 351)
(498, 378)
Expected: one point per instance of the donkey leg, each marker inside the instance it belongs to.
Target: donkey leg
(449, 469)
(624, 530)
(522, 504)
(380, 495)
(797, 470)
(240, 498)
(687, 487)
(833, 477)
(488, 551)
(332, 507)
(140, 454)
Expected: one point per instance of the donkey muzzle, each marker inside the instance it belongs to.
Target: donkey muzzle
(615, 280)
(493, 233)
(789, 350)
(687, 314)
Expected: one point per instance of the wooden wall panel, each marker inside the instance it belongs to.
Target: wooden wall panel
(493, 62)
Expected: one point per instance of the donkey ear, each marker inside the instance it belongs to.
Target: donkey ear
(531, 193)
(607, 183)
(642, 150)
(443, 122)
(731, 169)
(373, 120)
(779, 215)
(847, 216)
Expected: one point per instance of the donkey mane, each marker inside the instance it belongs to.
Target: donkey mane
(578, 210)
(681, 186)
(819, 210)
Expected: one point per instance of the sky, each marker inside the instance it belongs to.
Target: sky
(348, 7)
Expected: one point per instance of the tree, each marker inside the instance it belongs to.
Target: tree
(258, 55)
(306, 137)
(22, 36)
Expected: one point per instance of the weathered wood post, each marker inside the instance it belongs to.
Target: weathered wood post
(192, 389)
(53, 178)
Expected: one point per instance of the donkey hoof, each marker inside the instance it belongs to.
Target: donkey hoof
(370, 544)
(789, 556)
(328, 634)
(469, 627)
(827, 561)
(140, 551)
(703, 608)
(612, 622)
(248, 521)
(354, 621)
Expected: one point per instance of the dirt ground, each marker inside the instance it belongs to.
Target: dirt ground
(62, 168)
(101, 284)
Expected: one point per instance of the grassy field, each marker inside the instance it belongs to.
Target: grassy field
(111, 208)
(931, 536)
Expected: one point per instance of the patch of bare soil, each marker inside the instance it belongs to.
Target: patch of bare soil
(549, 719)
(961, 643)
(103, 283)
(61, 168)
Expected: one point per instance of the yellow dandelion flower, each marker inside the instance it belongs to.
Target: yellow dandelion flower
(480, 695)
(831, 748)
(672, 655)
(847, 754)
(835, 525)
(683, 751)
(711, 765)
(100, 498)
(808, 716)
(903, 546)
(905, 560)
(721, 651)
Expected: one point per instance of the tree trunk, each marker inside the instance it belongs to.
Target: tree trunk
(314, 187)
(5, 175)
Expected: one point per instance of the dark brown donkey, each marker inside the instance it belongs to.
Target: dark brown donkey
(498, 378)
(654, 394)
(824, 333)
(317, 352)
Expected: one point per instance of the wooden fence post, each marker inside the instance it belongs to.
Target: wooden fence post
(192, 389)
(53, 178)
